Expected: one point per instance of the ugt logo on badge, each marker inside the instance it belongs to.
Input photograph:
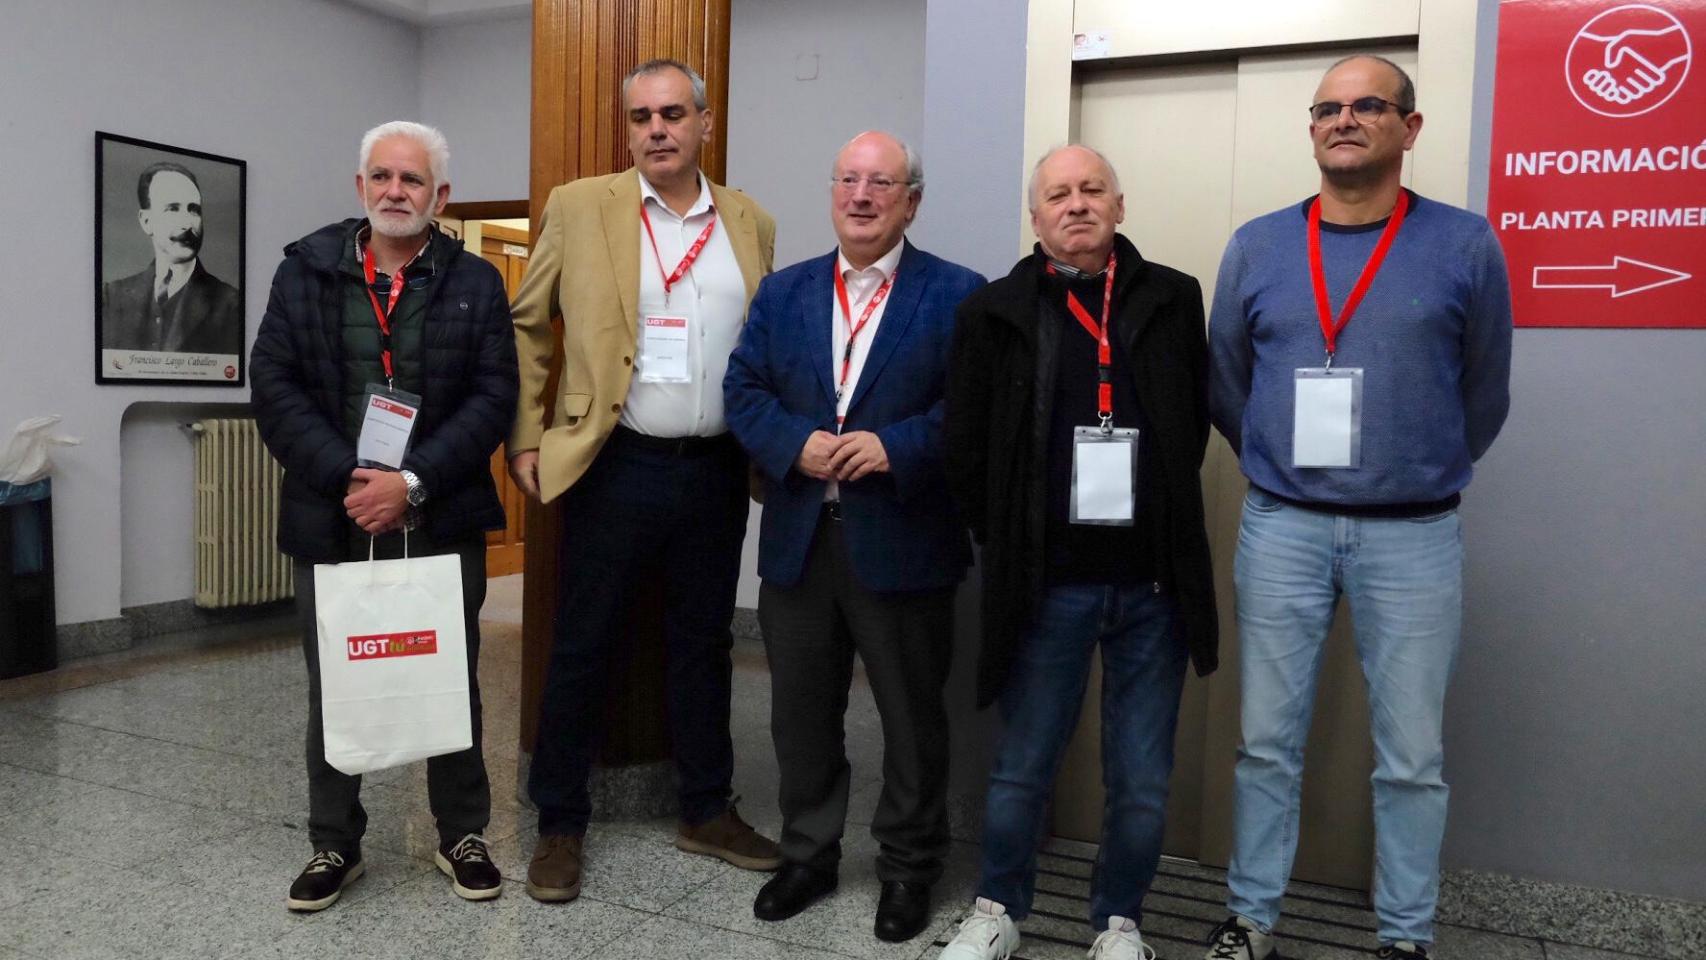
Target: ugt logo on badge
(1628, 60)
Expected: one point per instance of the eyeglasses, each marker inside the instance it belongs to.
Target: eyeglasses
(878, 184)
(1364, 110)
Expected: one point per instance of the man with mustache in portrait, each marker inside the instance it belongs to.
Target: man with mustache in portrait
(173, 305)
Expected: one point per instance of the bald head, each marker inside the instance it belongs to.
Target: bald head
(1403, 88)
(1070, 150)
(884, 142)
(876, 185)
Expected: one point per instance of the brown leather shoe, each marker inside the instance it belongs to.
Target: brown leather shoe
(728, 837)
(554, 876)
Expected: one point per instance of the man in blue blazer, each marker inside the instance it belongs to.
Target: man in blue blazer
(836, 392)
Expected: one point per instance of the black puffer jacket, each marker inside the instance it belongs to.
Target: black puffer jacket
(467, 403)
(997, 411)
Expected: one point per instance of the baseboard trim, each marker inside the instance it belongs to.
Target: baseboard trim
(137, 625)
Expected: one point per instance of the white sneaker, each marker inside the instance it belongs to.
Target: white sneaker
(1238, 939)
(988, 934)
(1119, 943)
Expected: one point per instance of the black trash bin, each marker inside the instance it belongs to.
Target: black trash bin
(29, 642)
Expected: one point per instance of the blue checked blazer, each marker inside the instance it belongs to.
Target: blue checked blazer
(901, 527)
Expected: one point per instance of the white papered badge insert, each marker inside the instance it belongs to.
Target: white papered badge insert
(1104, 473)
(386, 427)
(663, 349)
(1327, 420)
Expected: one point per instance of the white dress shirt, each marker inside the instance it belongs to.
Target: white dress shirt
(169, 278)
(712, 296)
(862, 285)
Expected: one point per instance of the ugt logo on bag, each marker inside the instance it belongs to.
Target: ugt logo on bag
(411, 643)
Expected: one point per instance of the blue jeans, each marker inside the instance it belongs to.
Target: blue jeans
(1143, 671)
(1404, 581)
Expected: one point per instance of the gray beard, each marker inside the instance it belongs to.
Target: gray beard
(413, 227)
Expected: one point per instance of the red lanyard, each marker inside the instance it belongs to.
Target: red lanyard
(671, 279)
(1329, 331)
(382, 315)
(1104, 352)
(854, 329)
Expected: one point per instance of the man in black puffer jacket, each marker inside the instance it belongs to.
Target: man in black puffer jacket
(335, 325)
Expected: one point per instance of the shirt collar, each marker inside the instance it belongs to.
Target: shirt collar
(701, 205)
(885, 265)
(180, 274)
(366, 230)
(1070, 272)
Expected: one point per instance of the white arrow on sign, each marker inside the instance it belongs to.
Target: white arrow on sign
(1622, 276)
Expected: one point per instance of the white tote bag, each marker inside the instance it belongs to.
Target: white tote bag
(393, 660)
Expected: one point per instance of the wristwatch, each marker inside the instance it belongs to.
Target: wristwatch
(417, 489)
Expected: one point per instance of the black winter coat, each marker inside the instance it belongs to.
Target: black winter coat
(1000, 384)
(467, 405)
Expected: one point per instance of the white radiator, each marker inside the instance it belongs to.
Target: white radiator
(236, 517)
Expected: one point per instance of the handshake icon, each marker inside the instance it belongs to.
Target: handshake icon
(1633, 64)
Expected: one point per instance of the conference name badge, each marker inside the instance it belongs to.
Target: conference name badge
(663, 349)
(1326, 428)
(1104, 476)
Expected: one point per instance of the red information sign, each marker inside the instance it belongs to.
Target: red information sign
(1598, 181)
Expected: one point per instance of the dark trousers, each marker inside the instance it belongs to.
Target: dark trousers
(641, 510)
(811, 631)
(457, 789)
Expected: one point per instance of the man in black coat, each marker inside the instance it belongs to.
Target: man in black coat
(1076, 420)
(388, 302)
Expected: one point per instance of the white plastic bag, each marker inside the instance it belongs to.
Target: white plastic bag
(393, 661)
(27, 458)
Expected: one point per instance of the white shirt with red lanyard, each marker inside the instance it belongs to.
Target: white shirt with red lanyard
(861, 297)
(699, 294)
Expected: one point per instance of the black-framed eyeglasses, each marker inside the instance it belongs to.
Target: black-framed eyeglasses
(1364, 110)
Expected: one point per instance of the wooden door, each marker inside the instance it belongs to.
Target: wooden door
(507, 250)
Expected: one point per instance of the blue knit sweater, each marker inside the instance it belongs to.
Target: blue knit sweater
(1433, 337)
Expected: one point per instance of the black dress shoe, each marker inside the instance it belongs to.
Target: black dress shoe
(793, 888)
(902, 910)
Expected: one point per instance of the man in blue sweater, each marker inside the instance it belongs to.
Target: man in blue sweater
(1360, 346)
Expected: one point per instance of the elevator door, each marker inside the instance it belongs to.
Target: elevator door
(1199, 149)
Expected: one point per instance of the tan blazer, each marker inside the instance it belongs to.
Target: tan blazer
(586, 266)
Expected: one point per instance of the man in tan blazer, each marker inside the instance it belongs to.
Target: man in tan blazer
(652, 270)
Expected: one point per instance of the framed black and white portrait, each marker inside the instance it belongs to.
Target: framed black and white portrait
(169, 235)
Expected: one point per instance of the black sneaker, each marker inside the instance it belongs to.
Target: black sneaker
(1238, 939)
(324, 880)
(469, 866)
(1402, 950)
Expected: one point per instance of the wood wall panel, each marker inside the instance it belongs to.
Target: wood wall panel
(581, 51)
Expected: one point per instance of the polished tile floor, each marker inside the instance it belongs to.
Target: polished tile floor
(152, 806)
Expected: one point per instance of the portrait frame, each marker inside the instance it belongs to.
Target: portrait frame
(170, 305)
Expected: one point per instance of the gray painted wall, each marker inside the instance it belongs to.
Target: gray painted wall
(1575, 748)
(476, 86)
(866, 64)
(974, 120)
(974, 114)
